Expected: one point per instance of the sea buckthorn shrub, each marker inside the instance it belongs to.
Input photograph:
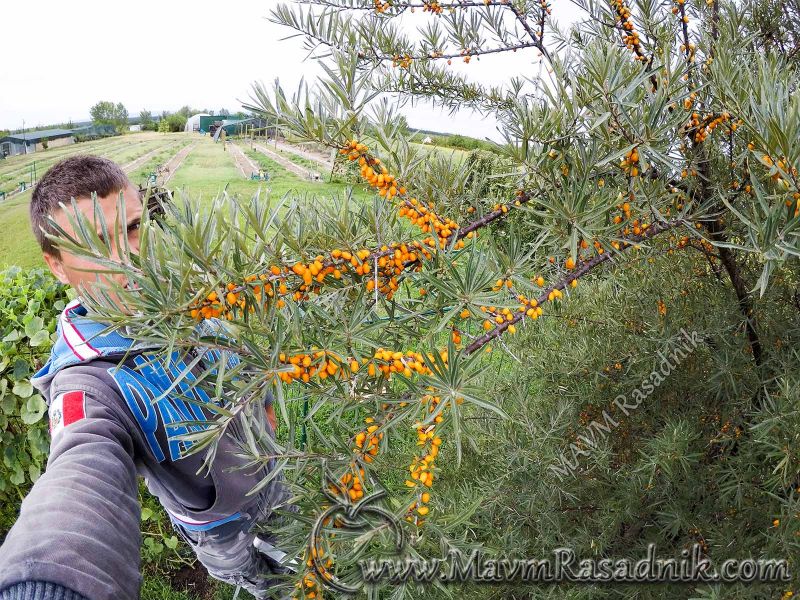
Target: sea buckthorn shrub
(439, 355)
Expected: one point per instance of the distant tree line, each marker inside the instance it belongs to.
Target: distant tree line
(109, 113)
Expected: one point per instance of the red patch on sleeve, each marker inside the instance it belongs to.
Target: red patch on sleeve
(67, 409)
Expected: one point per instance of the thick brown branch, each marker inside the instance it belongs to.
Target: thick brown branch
(580, 271)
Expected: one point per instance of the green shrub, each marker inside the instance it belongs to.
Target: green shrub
(30, 302)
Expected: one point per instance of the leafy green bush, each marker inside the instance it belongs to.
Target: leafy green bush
(30, 302)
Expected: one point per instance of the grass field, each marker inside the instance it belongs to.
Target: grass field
(206, 172)
(18, 246)
(120, 148)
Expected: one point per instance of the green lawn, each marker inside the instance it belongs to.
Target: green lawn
(456, 154)
(207, 170)
(140, 175)
(18, 246)
(120, 148)
(282, 181)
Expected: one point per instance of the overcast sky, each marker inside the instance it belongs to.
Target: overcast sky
(59, 58)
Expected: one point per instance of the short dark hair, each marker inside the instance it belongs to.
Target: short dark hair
(74, 177)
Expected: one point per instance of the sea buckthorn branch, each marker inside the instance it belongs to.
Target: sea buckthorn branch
(544, 11)
(422, 467)
(436, 8)
(700, 128)
(392, 260)
(687, 47)
(400, 5)
(630, 37)
(537, 40)
(354, 481)
(323, 364)
(405, 60)
(416, 211)
(367, 441)
(554, 291)
(499, 211)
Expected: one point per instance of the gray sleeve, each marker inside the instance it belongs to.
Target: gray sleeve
(79, 525)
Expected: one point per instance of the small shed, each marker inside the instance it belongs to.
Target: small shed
(92, 132)
(193, 123)
(33, 141)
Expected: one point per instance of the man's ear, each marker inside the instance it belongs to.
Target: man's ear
(56, 267)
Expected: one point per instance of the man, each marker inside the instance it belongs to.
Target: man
(77, 535)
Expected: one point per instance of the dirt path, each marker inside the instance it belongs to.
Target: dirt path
(246, 166)
(174, 163)
(286, 163)
(316, 156)
(136, 163)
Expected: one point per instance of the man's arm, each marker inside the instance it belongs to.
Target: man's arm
(79, 526)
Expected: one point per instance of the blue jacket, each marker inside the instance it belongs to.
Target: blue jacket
(115, 411)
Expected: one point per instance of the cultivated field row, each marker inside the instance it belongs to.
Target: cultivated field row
(123, 150)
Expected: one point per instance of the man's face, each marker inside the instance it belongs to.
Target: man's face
(72, 269)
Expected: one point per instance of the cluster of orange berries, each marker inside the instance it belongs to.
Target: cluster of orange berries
(392, 260)
(625, 207)
(781, 166)
(629, 37)
(421, 469)
(728, 429)
(353, 482)
(432, 6)
(704, 127)
(310, 586)
(616, 366)
(367, 443)
(377, 175)
(679, 9)
(636, 228)
(428, 221)
(404, 62)
(231, 300)
(498, 316)
(688, 102)
(382, 7)
(500, 283)
(690, 50)
(324, 363)
(564, 164)
(545, 6)
(630, 164)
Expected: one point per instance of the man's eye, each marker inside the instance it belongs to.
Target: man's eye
(134, 227)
